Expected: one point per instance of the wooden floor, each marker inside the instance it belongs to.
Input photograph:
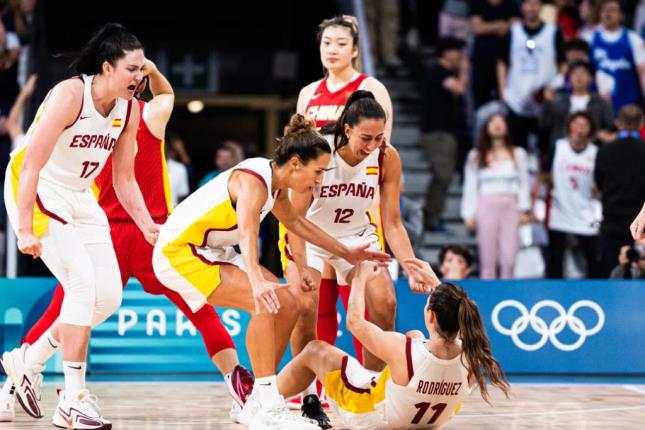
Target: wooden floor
(204, 406)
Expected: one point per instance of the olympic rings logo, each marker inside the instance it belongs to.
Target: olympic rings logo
(548, 331)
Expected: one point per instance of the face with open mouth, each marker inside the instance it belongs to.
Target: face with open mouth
(127, 74)
(365, 137)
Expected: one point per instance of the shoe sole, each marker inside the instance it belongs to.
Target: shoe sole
(105, 427)
(31, 408)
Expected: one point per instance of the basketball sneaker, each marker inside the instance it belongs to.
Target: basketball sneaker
(7, 408)
(27, 379)
(240, 385)
(247, 412)
(79, 411)
(312, 409)
(279, 417)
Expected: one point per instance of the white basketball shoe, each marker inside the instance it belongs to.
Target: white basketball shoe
(279, 417)
(79, 411)
(7, 408)
(27, 380)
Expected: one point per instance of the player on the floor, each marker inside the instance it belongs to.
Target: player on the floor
(425, 380)
(195, 255)
(324, 100)
(362, 165)
(134, 254)
(56, 217)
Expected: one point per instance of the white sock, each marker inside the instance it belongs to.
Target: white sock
(227, 378)
(74, 376)
(42, 349)
(6, 389)
(265, 391)
(311, 389)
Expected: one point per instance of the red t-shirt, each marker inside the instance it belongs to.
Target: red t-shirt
(325, 107)
(150, 171)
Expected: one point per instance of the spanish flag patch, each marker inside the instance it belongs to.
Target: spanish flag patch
(371, 170)
(116, 122)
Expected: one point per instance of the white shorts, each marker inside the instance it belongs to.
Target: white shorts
(191, 271)
(55, 203)
(316, 256)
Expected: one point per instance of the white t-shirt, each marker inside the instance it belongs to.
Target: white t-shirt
(579, 103)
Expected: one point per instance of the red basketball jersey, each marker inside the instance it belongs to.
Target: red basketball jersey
(151, 173)
(325, 107)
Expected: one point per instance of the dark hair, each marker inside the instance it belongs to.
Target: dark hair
(605, 2)
(301, 140)
(462, 251)
(108, 43)
(449, 43)
(458, 315)
(486, 142)
(576, 45)
(581, 65)
(630, 117)
(346, 21)
(581, 114)
(360, 105)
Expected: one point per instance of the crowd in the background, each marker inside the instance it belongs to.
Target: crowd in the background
(545, 98)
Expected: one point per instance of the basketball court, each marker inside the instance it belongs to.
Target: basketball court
(205, 406)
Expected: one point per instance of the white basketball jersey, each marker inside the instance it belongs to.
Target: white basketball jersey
(207, 217)
(341, 203)
(533, 65)
(435, 391)
(573, 209)
(82, 148)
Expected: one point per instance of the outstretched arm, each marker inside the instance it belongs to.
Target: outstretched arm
(312, 233)
(389, 346)
(13, 120)
(125, 183)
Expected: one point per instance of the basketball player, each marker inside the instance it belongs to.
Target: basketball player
(134, 254)
(425, 381)
(638, 226)
(50, 204)
(324, 100)
(195, 256)
(362, 165)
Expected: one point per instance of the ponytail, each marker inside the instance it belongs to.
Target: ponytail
(109, 43)
(458, 315)
(360, 105)
(476, 347)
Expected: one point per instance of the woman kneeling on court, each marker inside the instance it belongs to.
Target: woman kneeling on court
(424, 382)
(195, 256)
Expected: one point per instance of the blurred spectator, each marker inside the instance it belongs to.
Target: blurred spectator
(567, 18)
(177, 174)
(412, 216)
(618, 56)
(572, 212)
(453, 20)
(226, 156)
(530, 63)
(631, 262)
(589, 15)
(620, 178)
(639, 19)
(554, 117)
(24, 29)
(443, 122)
(382, 17)
(455, 262)
(496, 198)
(575, 50)
(176, 143)
(490, 21)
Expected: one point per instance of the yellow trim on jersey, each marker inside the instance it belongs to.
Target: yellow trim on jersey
(40, 220)
(377, 221)
(95, 190)
(200, 274)
(166, 178)
(348, 399)
(282, 246)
